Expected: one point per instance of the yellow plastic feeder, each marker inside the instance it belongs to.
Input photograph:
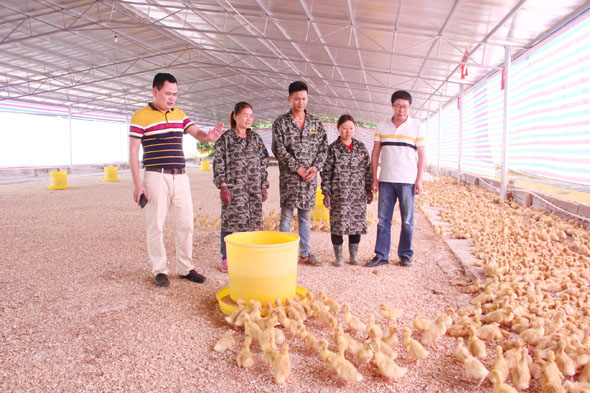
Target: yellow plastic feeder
(261, 266)
(110, 173)
(59, 180)
(205, 166)
(320, 212)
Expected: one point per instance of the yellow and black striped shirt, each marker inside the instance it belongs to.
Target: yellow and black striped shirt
(161, 135)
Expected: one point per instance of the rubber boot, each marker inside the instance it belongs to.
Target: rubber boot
(354, 251)
(338, 254)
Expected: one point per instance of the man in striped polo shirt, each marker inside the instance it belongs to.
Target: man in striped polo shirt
(159, 129)
(400, 144)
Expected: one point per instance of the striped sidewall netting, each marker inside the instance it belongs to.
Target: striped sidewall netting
(550, 114)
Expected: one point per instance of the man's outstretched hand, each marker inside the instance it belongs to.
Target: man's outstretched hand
(215, 133)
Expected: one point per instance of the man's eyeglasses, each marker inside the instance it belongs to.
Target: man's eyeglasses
(398, 106)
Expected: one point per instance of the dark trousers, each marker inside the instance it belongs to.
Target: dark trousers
(337, 240)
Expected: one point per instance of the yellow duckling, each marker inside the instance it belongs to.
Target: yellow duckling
(476, 347)
(391, 314)
(352, 321)
(499, 385)
(500, 365)
(475, 369)
(245, 358)
(414, 349)
(391, 339)
(386, 366)
(461, 352)
(281, 364)
(226, 342)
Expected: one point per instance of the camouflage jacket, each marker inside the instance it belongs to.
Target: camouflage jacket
(241, 163)
(298, 148)
(347, 178)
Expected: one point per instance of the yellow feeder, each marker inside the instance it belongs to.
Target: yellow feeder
(205, 166)
(320, 212)
(110, 173)
(261, 266)
(59, 180)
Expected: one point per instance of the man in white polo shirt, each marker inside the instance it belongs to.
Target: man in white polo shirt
(400, 144)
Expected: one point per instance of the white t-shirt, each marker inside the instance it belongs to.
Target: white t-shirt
(399, 150)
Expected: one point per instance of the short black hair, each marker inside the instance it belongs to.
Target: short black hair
(344, 118)
(401, 95)
(297, 86)
(162, 77)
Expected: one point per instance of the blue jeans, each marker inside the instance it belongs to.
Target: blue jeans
(304, 221)
(389, 193)
(222, 246)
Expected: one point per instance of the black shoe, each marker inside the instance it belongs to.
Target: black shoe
(161, 280)
(309, 260)
(194, 277)
(406, 262)
(376, 262)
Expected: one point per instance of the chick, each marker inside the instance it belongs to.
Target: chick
(226, 342)
(535, 333)
(475, 369)
(345, 369)
(373, 330)
(473, 288)
(585, 374)
(281, 364)
(231, 319)
(364, 355)
(294, 313)
(500, 365)
(499, 385)
(577, 387)
(352, 321)
(435, 332)
(420, 323)
(475, 345)
(326, 355)
(414, 349)
(461, 352)
(331, 303)
(550, 374)
(391, 314)
(566, 364)
(386, 366)
(491, 332)
(521, 375)
(309, 339)
(245, 358)
(391, 339)
(251, 328)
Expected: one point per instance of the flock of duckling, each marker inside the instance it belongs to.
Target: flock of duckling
(272, 220)
(359, 345)
(532, 309)
(534, 304)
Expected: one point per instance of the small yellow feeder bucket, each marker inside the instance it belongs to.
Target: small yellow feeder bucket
(205, 166)
(59, 180)
(320, 212)
(262, 265)
(110, 173)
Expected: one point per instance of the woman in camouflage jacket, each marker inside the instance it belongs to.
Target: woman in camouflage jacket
(239, 171)
(346, 185)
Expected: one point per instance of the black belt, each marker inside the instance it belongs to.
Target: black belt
(173, 171)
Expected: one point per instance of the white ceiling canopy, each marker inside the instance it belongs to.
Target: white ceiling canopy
(103, 54)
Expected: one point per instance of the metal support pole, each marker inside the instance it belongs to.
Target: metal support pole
(506, 128)
(71, 143)
(427, 129)
(439, 136)
(460, 132)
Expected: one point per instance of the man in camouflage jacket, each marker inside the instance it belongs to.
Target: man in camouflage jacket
(300, 144)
